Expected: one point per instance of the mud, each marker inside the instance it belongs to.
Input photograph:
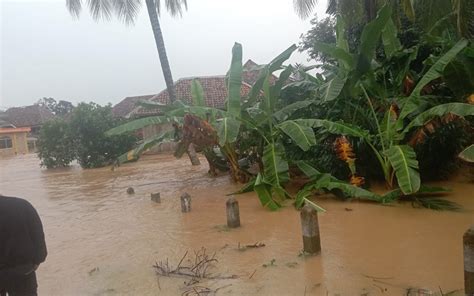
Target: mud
(103, 241)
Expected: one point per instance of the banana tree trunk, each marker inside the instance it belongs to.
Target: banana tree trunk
(193, 155)
(160, 45)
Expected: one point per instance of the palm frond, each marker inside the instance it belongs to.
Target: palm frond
(303, 8)
(74, 7)
(101, 9)
(174, 7)
(127, 10)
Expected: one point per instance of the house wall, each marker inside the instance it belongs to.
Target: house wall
(19, 144)
(154, 130)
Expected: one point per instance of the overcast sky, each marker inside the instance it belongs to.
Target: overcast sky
(47, 53)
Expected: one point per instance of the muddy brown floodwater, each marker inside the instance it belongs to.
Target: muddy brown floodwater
(103, 241)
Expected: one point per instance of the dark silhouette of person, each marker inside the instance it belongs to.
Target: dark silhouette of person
(22, 247)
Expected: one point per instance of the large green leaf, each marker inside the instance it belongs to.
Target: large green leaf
(197, 93)
(333, 88)
(275, 89)
(135, 153)
(264, 193)
(286, 111)
(228, 130)
(141, 123)
(372, 31)
(235, 81)
(389, 38)
(275, 167)
(435, 71)
(408, 9)
(459, 109)
(323, 181)
(344, 58)
(303, 136)
(333, 127)
(403, 160)
(271, 67)
(341, 41)
(467, 154)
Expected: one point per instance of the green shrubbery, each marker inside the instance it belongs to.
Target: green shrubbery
(82, 137)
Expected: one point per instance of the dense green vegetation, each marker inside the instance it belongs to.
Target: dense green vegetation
(383, 106)
(81, 136)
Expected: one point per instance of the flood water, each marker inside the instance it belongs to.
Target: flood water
(102, 241)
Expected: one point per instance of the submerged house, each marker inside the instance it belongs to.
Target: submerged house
(13, 141)
(215, 93)
(24, 123)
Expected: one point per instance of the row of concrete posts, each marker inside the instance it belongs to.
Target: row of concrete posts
(312, 239)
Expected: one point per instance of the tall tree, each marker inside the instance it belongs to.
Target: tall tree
(127, 11)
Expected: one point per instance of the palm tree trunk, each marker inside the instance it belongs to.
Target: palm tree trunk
(160, 45)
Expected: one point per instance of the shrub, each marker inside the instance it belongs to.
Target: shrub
(55, 146)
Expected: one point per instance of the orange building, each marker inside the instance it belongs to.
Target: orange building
(13, 141)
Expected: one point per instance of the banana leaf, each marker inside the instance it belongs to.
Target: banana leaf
(390, 40)
(408, 9)
(435, 71)
(403, 160)
(234, 82)
(141, 123)
(135, 153)
(227, 130)
(459, 109)
(249, 187)
(341, 41)
(286, 111)
(264, 193)
(467, 154)
(274, 165)
(197, 93)
(333, 88)
(271, 67)
(323, 181)
(424, 190)
(334, 127)
(371, 33)
(344, 58)
(275, 90)
(303, 136)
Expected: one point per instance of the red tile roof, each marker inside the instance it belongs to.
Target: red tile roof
(124, 107)
(214, 87)
(28, 116)
(215, 91)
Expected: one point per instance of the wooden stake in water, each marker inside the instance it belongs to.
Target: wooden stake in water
(468, 243)
(185, 203)
(310, 228)
(233, 215)
(156, 197)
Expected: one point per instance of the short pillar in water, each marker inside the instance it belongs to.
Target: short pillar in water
(468, 243)
(233, 215)
(310, 228)
(156, 197)
(185, 203)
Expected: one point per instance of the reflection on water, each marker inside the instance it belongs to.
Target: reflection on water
(103, 241)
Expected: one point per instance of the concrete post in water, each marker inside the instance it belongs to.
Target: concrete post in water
(156, 197)
(310, 228)
(468, 243)
(233, 215)
(185, 203)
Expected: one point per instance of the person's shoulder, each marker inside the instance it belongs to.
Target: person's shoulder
(14, 201)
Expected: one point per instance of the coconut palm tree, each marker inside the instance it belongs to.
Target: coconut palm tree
(127, 11)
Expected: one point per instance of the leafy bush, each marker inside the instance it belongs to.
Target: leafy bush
(55, 145)
(82, 137)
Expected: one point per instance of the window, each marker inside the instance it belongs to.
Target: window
(5, 142)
